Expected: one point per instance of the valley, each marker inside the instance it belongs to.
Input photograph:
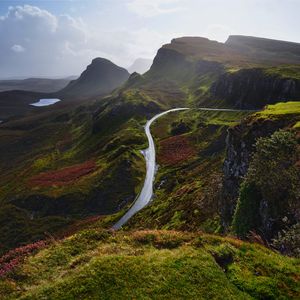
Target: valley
(168, 184)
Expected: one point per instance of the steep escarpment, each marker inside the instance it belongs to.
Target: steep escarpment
(241, 146)
(170, 64)
(254, 88)
(244, 72)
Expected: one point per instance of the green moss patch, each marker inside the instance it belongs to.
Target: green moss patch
(95, 264)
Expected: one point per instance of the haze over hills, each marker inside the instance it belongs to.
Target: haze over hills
(44, 85)
(100, 78)
(80, 167)
(208, 70)
(238, 50)
(140, 65)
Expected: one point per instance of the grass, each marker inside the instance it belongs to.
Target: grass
(97, 264)
(285, 71)
(68, 167)
(283, 108)
(189, 175)
(289, 111)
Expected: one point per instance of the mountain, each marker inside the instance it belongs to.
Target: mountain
(140, 65)
(222, 176)
(266, 50)
(212, 73)
(35, 84)
(100, 77)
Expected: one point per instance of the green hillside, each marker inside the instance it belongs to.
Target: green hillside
(70, 171)
(95, 264)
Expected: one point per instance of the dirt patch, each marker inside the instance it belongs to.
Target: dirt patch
(63, 176)
(175, 150)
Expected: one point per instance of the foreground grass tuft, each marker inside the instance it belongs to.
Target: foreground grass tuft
(97, 264)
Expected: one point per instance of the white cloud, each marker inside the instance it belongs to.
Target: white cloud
(17, 48)
(146, 8)
(63, 45)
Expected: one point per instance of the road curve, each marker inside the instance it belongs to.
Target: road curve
(147, 190)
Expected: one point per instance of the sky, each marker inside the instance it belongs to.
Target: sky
(57, 38)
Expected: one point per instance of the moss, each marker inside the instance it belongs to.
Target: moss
(285, 71)
(99, 264)
(270, 191)
(246, 217)
(191, 185)
(284, 108)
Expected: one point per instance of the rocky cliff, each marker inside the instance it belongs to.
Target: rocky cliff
(240, 145)
(254, 88)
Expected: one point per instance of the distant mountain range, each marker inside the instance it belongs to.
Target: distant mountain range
(45, 85)
(100, 78)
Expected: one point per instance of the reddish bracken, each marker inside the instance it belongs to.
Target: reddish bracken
(11, 259)
(63, 176)
(175, 150)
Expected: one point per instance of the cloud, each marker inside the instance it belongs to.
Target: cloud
(17, 48)
(59, 45)
(146, 8)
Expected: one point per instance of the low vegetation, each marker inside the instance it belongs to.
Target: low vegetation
(269, 196)
(99, 264)
(190, 153)
(280, 109)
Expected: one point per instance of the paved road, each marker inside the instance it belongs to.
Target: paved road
(147, 190)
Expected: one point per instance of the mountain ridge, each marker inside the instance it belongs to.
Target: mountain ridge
(100, 77)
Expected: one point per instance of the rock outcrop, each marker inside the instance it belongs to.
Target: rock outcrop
(240, 144)
(254, 88)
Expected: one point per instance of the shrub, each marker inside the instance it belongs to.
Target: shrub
(270, 191)
(246, 217)
(288, 241)
(12, 259)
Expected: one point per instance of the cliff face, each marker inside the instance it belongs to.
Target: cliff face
(240, 143)
(254, 88)
(268, 70)
(170, 64)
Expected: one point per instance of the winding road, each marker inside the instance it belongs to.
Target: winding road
(147, 190)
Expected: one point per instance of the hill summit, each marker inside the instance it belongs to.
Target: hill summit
(100, 78)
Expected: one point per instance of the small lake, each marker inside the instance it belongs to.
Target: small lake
(45, 102)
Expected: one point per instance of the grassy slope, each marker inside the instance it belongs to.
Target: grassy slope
(289, 111)
(187, 191)
(280, 109)
(285, 71)
(107, 134)
(95, 264)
